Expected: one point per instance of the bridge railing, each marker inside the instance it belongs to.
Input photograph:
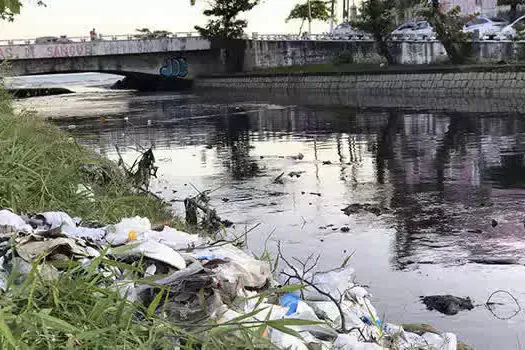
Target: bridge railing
(310, 37)
(75, 39)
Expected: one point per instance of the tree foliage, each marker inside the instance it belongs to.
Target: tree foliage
(146, 33)
(513, 6)
(225, 24)
(319, 10)
(378, 18)
(449, 30)
(10, 8)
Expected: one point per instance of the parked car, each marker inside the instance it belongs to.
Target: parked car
(346, 32)
(512, 29)
(414, 30)
(52, 40)
(488, 27)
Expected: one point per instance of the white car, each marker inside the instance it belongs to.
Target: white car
(346, 32)
(488, 27)
(414, 30)
(512, 29)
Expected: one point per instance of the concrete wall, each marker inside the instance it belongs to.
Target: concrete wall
(411, 83)
(270, 54)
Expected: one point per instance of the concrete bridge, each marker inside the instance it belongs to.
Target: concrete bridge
(176, 60)
(177, 56)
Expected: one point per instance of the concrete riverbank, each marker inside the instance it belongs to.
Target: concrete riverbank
(497, 80)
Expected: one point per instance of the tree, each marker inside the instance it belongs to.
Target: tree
(513, 7)
(449, 29)
(407, 9)
(378, 18)
(10, 8)
(146, 33)
(226, 26)
(318, 11)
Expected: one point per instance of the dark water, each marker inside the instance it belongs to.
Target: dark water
(440, 180)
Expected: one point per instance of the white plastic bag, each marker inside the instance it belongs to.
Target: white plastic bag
(327, 310)
(240, 268)
(127, 230)
(447, 341)
(358, 294)
(160, 252)
(350, 342)
(305, 312)
(333, 282)
(286, 341)
(174, 238)
(58, 218)
(95, 234)
(12, 222)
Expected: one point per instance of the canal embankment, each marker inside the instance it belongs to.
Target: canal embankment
(436, 81)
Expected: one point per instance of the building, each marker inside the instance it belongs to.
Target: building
(470, 7)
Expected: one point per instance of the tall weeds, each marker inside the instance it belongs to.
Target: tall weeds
(41, 168)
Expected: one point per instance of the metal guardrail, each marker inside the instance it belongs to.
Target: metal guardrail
(311, 37)
(78, 39)
(254, 36)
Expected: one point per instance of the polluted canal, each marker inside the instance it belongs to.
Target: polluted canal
(427, 204)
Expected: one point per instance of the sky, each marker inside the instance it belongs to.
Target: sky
(77, 17)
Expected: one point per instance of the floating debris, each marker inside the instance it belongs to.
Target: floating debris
(447, 304)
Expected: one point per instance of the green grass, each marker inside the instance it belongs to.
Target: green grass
(40, 170)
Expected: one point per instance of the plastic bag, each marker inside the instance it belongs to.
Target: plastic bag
(240, 266)
(160, 252)
(332, 282)
(305, 312)
(127, 230)
(290, 301)
(327, 310)
(12, 222)
(286, 341)
(57, 218)
(447, 341)
(350, 342)
(95, 234)
(174, 238)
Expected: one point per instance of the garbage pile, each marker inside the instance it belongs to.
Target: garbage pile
(336, 313)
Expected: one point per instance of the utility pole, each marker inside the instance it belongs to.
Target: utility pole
(332, 14)
(309, 18)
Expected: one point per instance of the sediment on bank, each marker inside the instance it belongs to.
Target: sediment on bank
(35, 92)
(436, 81)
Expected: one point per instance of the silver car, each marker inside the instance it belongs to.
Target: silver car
(345, 31)
(414, 30)
(488, 27)
(512, 29)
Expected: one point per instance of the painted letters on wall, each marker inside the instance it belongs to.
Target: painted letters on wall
(175, 68)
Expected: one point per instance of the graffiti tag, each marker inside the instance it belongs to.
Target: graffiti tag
(175, 67)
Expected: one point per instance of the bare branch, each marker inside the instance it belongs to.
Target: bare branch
(302, 278)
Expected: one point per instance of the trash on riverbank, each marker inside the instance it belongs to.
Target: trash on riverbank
(191, 280)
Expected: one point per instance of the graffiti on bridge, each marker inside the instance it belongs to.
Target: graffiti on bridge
(175, 67)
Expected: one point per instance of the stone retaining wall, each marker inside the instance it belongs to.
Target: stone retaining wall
(414, 84)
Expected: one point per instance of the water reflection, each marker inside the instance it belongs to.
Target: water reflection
(444, 177)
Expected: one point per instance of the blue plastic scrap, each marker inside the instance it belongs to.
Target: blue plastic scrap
(290, 300)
